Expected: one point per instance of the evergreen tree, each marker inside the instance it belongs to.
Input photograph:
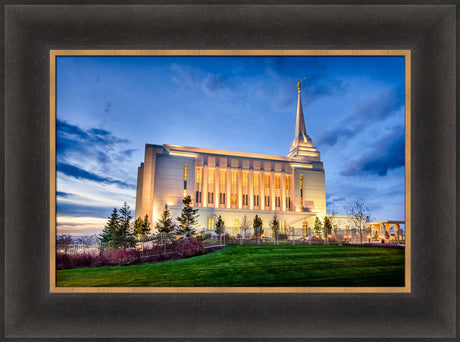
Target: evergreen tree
(275, 227)
(109, 232)
(318, 227)
(220, 226)
(141, 227)
(188, 220)
(327, 226)
(164, 223)
(123, 235)
(258, 230)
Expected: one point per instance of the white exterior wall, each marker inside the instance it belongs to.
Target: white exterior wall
(169, 182)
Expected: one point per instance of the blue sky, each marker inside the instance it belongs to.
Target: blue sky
(108, 108)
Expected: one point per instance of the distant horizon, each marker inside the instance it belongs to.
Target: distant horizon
(108, 108)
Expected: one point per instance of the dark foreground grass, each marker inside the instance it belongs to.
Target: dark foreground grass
(286, 265)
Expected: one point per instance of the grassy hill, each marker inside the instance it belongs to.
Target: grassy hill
(250, 265)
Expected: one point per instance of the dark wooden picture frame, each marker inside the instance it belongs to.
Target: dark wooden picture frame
(32, 312)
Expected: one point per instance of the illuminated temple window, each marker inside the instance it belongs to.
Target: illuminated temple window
(211, 177)
(185, 180)
(245, 179)
(210, 223)
(282, 226)
(288, 182)
(222, 177)
(256, 180)
(277, 182)
(234, 199)
(305, 227)
(199, 174)
(236, 226)
(267, 181)
(234, 174)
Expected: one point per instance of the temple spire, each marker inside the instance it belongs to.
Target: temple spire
(300, 131)
(302, 146)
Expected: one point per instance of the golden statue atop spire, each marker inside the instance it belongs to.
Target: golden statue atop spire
(298, 84)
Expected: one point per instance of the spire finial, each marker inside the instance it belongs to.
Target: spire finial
(298, 84)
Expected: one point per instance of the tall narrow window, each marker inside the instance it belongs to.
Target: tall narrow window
(185, 180)
(222, 178)
(305, 227)
(267, 181)
(256, 200)
(199, 175)
(233, 199)
(277, 201)
(211, 176)
(256, 180)
(210, 223)
(288, 202)
(277, 182)
(245, 179)
(267, 201)
(236, 226)
(288, 183)
(282, 226)
(210, 197)
(198, 197)
(245, 199)
(234, 174)
(301, 192)
(222, 198)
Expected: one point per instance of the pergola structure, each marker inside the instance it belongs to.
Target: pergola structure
(384, 226)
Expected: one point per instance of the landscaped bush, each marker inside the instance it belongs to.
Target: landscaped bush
(282, 236)
(185, 249)
(314, 239)
(110, 257)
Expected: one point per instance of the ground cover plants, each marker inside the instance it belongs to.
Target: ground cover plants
(254, 265)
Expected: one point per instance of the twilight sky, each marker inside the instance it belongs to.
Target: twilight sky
(108, 108)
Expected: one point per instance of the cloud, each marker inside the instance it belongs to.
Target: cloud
(73, 138)
(78, 173)
(373, 108)
(386, 154)
(334, 135)
(214, 83)
(74, 210)
(184, 75)
(376, 107)
(63, 194)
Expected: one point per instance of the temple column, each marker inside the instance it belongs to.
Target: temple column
(251, 189)
(216, 185)
(387, 230)
(282, 192)
(240, 189)
(204, 182)
(229, 188)
(262, 190)
(397, 231)
(293, 199)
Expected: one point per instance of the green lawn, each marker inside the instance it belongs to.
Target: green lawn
(284, 265)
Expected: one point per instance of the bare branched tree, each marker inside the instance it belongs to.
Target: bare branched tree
(359, 214)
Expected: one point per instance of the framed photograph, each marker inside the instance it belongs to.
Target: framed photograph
(85, 75)
(361, 101)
